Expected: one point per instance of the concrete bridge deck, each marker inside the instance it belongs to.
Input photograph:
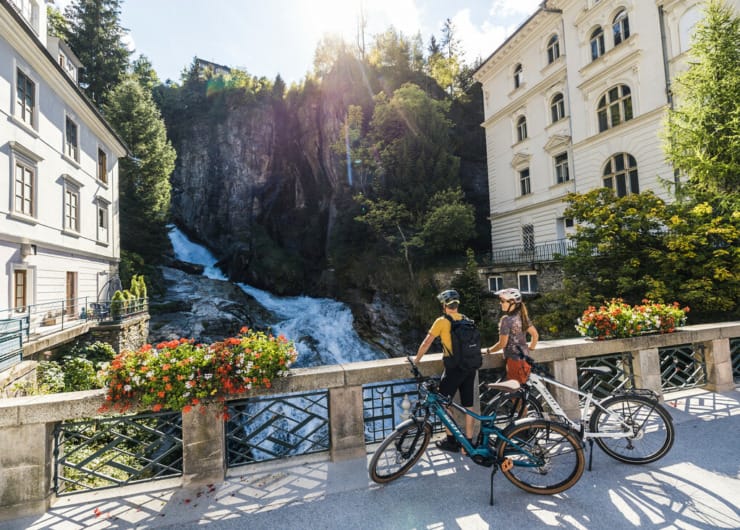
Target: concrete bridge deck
(695, 486)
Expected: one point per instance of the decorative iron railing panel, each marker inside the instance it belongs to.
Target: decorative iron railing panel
(546, 251)
(384, 408)
(735, 356)
(109, 452)
(682, 366)
(621, 376)
(261, 429)
(11, 341)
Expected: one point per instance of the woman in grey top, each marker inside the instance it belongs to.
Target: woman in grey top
(513, 329)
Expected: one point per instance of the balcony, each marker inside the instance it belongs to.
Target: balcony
(547, 251)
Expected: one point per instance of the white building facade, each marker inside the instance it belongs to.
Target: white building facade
(58, 171)
(576, 99)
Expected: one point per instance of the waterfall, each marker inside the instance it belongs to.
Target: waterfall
(321, 328)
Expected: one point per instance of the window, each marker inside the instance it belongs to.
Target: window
(597, 44)
(524, 181)
(561, 168)
(25, 99)
(557, 107)
(553, 49)
(495, 283)
(71, 207)
(621, 27)
(518, 76)
(71, 140)
(102, 166)
(24, 189)
(20, 290)
(528, 237)
(620, 172)
(528, 282)
(614, 107)
(521, 128)
(102, 221)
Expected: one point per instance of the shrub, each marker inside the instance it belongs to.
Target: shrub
(179, 374)
(616, 319)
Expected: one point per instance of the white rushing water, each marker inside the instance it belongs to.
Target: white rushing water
(321, 328)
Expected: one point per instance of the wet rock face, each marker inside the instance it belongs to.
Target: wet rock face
(203, 309)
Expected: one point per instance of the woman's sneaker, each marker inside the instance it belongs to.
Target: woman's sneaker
(448, 444)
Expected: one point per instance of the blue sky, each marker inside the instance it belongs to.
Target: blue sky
(267, 37)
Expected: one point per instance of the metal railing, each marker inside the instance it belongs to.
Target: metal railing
(19, 326)
(547, 251)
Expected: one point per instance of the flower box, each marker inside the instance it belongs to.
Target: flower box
(616, 319)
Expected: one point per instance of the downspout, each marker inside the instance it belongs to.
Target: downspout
(664, 49)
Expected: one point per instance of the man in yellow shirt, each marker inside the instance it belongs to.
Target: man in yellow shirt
(453, 378)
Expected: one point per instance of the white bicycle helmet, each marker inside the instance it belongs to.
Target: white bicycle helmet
(511, 295)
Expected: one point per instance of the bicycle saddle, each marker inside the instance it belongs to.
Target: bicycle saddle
(510, 385)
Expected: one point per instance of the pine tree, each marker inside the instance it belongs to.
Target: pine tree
(96, 37)
(144, 178)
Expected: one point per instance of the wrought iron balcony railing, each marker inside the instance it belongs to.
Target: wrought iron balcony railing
(547, 251)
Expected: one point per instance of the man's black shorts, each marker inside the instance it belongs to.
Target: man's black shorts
(455, 379)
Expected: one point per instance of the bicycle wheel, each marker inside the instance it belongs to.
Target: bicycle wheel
(511, 407)
(547, 457)
(400, 451)
(650, 424)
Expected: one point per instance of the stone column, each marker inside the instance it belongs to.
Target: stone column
(346, 423)
(25, 469)
(646, 365)
(204, 461)
(719, 365)
(566, 372)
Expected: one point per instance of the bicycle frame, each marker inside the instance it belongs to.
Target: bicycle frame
(538, 381)
(483, 454)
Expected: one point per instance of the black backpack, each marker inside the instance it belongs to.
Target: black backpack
(465, 345)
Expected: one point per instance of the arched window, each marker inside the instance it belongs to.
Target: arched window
(621, 27)
(553, 49)
(518, 76)
(614, 107)
(597, 44)
(620, 174)
(557, 107)
(521, 128)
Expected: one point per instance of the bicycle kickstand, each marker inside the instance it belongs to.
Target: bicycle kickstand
(494, 468)
(590, 452)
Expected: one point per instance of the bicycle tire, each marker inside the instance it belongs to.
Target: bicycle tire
(399, 451)
(558, 452)
(508, 410)
(652, 425)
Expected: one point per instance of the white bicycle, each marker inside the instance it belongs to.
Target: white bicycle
(630, 426)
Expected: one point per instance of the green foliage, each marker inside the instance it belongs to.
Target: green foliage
(619, 244)
(144, 179)
(703, 132)
(49, 377)
(143, 71)
(96, 36)
(615, 319)
(56, 23)
(409, 148)
(468, 284)
(79, 374)
(448, 225)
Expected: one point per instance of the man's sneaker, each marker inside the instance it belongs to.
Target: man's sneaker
(450, 445)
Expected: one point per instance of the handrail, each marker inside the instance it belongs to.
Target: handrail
(547, 251)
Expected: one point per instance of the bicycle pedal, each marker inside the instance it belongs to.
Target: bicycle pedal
(506, 464)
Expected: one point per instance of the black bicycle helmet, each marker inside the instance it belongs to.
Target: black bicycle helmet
(511, 295)
(448, 297)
